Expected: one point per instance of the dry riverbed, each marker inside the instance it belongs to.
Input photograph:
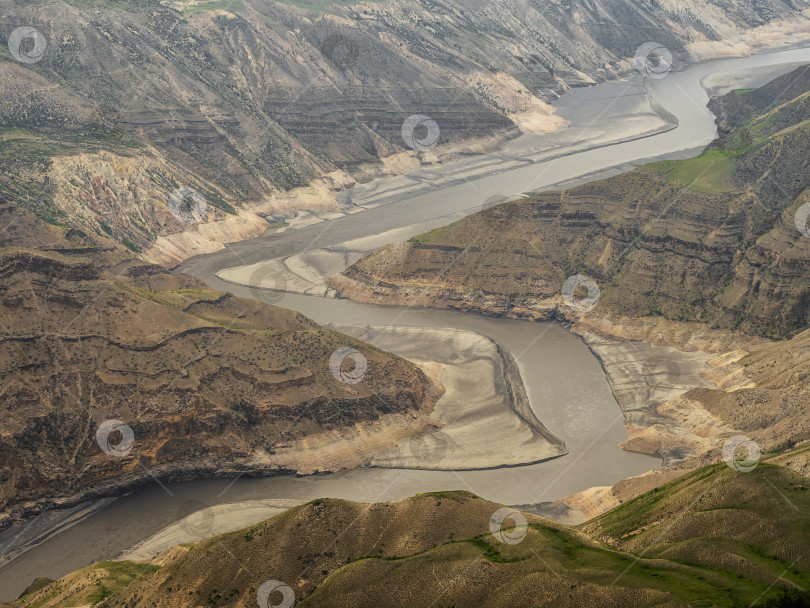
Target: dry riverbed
(484, 419)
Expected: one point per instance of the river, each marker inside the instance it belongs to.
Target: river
(612, 128)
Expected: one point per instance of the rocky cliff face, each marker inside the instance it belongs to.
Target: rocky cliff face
(245, 101)
(706, 254)
(713, 239)
(206, 383)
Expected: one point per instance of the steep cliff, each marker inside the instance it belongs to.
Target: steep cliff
(118, 107)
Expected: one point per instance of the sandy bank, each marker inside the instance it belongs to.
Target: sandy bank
(483, 420)
(204, 522)
(320, 200)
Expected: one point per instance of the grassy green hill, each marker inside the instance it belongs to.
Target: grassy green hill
(715, 537)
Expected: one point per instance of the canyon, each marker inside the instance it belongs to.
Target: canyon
(698, 328)
(136, 102)
(700, 256)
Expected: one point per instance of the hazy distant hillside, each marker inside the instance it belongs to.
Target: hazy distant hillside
(244, 99)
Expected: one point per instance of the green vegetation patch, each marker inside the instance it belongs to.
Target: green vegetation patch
(96, 582)
(226, 5)
(712, 171)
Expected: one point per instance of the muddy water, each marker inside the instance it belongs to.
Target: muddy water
(564, 381)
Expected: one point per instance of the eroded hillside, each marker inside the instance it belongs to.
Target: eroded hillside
(713, 239)
(207, 383)
(127, 103)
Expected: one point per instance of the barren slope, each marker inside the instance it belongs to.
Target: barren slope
(244, 101)
(209, 383)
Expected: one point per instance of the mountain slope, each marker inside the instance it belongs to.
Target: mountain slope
(245, 100)
(441, 549)
(710, 239)
(209, 383)
(700, 254)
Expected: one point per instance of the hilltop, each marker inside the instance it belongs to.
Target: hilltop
(717, 536)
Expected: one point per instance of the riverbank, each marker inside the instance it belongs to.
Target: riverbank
(408, 174)
(203, 522)
(649, 363)
(483, 420)
(480, 419)
(321, 200)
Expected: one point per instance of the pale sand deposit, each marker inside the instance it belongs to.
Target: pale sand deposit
(650, 384)
(206, 522)
(752, 78)
(643, 378)
(594, 501)
(318, 201)
(483, 420)
(306, 272)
